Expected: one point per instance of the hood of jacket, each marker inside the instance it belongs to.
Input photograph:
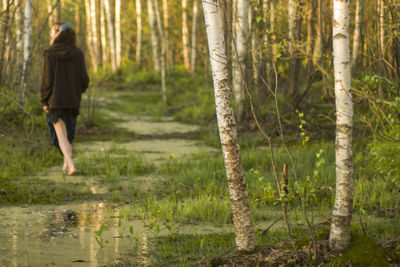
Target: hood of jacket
(62, 52)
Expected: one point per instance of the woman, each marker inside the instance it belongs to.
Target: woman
(64, 79)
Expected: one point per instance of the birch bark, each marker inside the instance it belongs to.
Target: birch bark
(94, 29)
(244, 229)
(103, 34)
(118, 33)
(193, 54)
(111, 36)
(160, 30)
(90, 36)
(339, 238)
(138, 32)
(357, 34)
(153, 35)
(240, 52)
(4, 43)
(27, 47)
(185, 36)
(168, 51)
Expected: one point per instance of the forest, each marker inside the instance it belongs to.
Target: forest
(212, 133)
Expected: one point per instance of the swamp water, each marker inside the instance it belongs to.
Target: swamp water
(93, 233)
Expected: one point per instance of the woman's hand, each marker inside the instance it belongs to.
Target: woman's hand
(46, 109)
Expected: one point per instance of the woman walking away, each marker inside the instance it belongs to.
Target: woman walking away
(64, 80)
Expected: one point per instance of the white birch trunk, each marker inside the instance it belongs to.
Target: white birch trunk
(27, 47)
(339, 239)
(194, 35)
(103, 33)
(50, 10)
(240, 53)
(19, 35)
(111, 36)
(153, 35)
(244, 229)
(138, 32)
(185, 36)
(291, 24)
(168, 51)
(163, 86)
(89, 41)
(357, 34)
(94, 29)
(118, 33)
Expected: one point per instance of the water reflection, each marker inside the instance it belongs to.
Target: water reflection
(44, 235)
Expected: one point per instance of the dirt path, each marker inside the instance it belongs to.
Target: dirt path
(65, 235)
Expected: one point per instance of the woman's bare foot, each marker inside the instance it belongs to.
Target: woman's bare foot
(71, 172)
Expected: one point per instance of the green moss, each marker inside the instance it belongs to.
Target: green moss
(363, 251)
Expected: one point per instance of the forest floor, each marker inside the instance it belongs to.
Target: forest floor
(150, 192)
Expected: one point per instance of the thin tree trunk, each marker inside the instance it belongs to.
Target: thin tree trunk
(168, 51)
(163, 86)
(357, 35)
(92, 54)
(138, 32)
(194, 34)
(118, 33)
(339, 239)
(154, 40)
(94, 29)
(3, 33)
(185, 36)
(50, 10)
(318, 42)
(294, 37)
(27, 48)
(254, 47)
(19, 19)
(111, 36)
(244, 229)
(240, 54)
(310, 36)
(103, 34)
(381, 44)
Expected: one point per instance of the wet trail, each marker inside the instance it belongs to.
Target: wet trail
(65, 235)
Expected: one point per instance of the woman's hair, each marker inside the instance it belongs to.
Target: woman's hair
(66, 36)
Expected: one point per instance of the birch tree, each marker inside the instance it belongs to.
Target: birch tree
(357, 34)
(3, 33)
(185, 36)
(111, 36)
(89, 40)
(160, 30)
(103, 34)
(153, 35)
(193, 54)
(94, 29)
(138, 32)
(339, 238)
(244, 229)
(168, 51)
(118, 33)
(240, 54)
(294, 36)
(27, 46)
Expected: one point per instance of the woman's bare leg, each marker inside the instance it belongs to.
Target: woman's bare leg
(65, 165)
(65, 146)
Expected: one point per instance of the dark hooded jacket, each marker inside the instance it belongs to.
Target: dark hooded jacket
(64, 76)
